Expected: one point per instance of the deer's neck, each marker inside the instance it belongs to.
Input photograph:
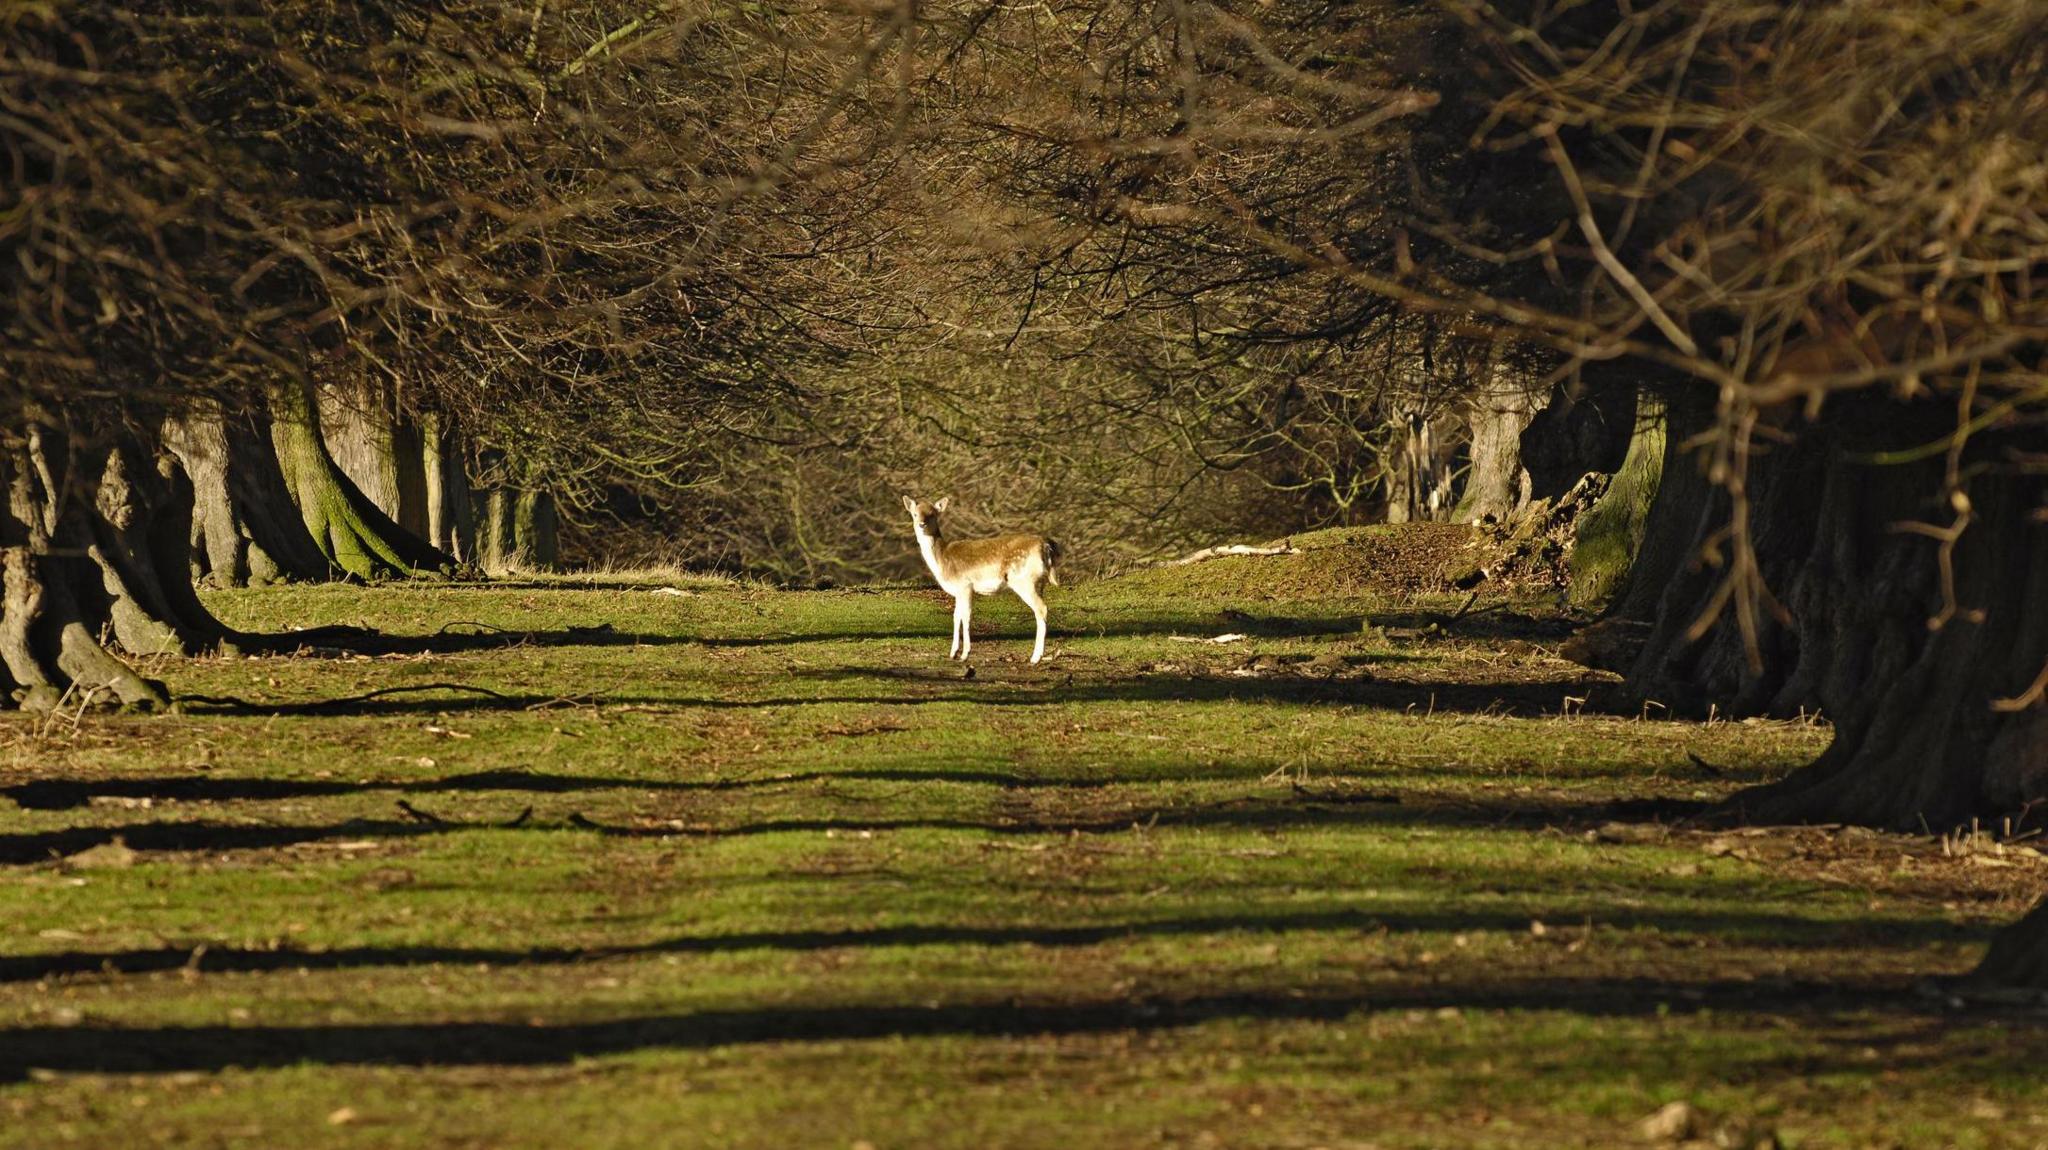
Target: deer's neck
(934, 549)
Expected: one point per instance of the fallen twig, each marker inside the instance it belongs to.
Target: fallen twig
(1281, 548)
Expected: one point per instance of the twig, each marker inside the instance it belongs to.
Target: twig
(1282, 548)
(418, 815)
(1590, 228)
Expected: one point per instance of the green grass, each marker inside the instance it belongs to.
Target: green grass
(761, 869)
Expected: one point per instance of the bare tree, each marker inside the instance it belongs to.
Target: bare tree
(243, 236)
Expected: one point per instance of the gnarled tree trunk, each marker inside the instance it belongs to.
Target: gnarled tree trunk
(94, 541)
(245, 527)
(355, 535)
(1496, 484)
(1919, 741)
(1929, 656)
(379, 446)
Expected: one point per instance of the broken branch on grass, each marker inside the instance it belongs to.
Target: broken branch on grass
(1284, 547)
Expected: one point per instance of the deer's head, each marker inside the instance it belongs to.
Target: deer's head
(925, 516)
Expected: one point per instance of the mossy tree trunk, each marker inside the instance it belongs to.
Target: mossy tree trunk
(356, 536)
(379, 446)
(246, 528)
(1607, 538)
(1930, 680)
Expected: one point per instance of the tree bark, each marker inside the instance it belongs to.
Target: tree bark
(1919, 742)
(246, 529)
(378, 445)
(89, 528)
(1610, 535)
(2019, 954)
(141, 531)
(356, 536)
(451, 516)
(1496, 484)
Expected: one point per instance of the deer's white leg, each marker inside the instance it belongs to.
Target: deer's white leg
(1036, 602)
(966, 610)
(960, 609)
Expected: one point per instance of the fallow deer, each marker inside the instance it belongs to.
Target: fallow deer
(969, 567)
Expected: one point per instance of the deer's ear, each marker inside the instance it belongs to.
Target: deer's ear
(910, 505)
(941, 504)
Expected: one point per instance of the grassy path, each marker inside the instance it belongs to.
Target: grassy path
(747, 868)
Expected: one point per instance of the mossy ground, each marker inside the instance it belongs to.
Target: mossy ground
(739, 867)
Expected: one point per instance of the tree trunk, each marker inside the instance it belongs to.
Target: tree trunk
(355, 535)
(1497, 484)
(518, 531)
(1419, 482)
(246, 529)
(141, 525)
(1678, 516)
(451, 517)
(2019, 954)
(90, 528)
(1918, 740)
(1609, 536)
(379, 447)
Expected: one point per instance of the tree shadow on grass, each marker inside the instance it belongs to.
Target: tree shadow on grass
(1082, 624)
(481, 637)
(179, 835)
(1486, 624)
(144, 1049)
(1035, 688)
(68, 794)
(1299, 810)
(1782, 931)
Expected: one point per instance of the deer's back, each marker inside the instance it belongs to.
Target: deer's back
(989, 563)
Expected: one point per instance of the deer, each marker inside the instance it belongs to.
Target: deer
(969, 567)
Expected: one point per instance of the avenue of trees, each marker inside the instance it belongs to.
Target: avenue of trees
(322, 290)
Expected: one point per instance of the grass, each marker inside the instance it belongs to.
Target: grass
(738, 867)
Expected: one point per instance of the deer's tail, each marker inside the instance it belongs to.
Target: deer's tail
(1051, 551)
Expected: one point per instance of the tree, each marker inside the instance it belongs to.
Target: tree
(1820, 227)
(1813, 231)
(227, 223)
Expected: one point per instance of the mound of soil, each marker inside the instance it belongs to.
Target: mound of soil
(1410, 559)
